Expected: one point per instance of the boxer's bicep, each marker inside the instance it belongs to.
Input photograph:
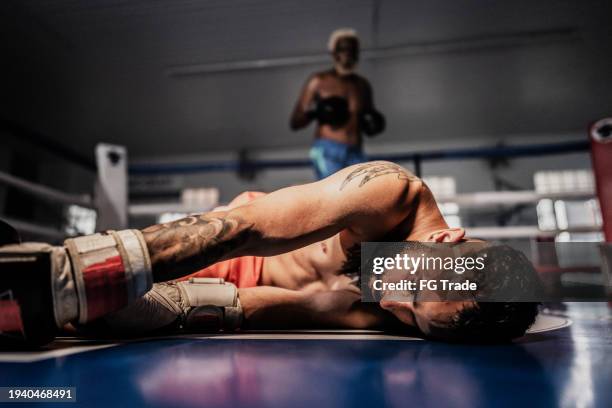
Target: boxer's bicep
(380, 195)
(290, 218)
(371, 197)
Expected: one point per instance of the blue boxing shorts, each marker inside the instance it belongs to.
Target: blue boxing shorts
(329, 156)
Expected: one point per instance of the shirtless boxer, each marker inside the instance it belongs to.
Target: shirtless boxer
(342, 104)
(304, 232)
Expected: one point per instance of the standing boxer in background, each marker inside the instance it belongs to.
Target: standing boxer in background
(342, 104)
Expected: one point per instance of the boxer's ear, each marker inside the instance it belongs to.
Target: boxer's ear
(447, 235)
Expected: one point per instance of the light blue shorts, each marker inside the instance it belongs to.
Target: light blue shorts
(329, 156)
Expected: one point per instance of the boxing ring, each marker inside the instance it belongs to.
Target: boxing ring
(114, 210)
(416, 158)
(565, 360)
(558, 364)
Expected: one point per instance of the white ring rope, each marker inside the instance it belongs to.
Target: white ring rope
(46, 193)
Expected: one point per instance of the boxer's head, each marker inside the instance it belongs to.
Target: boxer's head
(507, 275)
(344, 46)
(466, 321)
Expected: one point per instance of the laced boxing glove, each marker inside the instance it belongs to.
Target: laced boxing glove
(194, 306)
(43, 287)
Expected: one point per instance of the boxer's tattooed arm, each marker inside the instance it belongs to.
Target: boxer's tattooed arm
(182, 247)
(372, 170)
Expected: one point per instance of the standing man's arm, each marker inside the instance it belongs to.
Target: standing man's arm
(301, 116)
(367, 199)
(368, 96)
(371, 121)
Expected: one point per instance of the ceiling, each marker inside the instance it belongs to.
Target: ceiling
(82, 72)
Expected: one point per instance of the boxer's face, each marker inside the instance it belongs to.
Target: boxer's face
(426, 316)
(346, 53)
(428, 311)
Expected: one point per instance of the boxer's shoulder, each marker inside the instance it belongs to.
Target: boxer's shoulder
(381, 174)
(326, 78)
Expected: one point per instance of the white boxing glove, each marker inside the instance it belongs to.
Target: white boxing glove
(110, 271)
(196, 305)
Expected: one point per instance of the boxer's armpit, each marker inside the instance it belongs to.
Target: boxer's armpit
(180, 247)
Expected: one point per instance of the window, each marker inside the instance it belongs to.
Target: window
(445, 187)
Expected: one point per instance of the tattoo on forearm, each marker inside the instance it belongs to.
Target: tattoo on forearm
(189, 244)
(372, 170)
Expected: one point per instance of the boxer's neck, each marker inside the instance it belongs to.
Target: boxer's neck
(342, 71)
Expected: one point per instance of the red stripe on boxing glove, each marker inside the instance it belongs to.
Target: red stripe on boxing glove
(10, 318)
(37, 293)
(43, 287)
(110, 271)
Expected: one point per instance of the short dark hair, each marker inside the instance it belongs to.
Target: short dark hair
(508, 276)
(506, 303)
(490, 322)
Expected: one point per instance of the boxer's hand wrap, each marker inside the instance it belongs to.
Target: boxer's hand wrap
(197, 305)
(109, 270)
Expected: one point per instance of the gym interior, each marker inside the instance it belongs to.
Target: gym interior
(118, 114)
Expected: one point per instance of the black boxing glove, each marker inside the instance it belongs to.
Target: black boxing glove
(331, 111)
(372, 122)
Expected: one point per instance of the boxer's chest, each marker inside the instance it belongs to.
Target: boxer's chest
(347, 89)
(329, 264)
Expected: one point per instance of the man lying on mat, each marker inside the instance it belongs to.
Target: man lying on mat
(285, 260)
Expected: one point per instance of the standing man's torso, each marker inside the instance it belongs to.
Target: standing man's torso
(354, 89)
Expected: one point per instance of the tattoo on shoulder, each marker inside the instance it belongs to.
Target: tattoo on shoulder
(372, 170)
